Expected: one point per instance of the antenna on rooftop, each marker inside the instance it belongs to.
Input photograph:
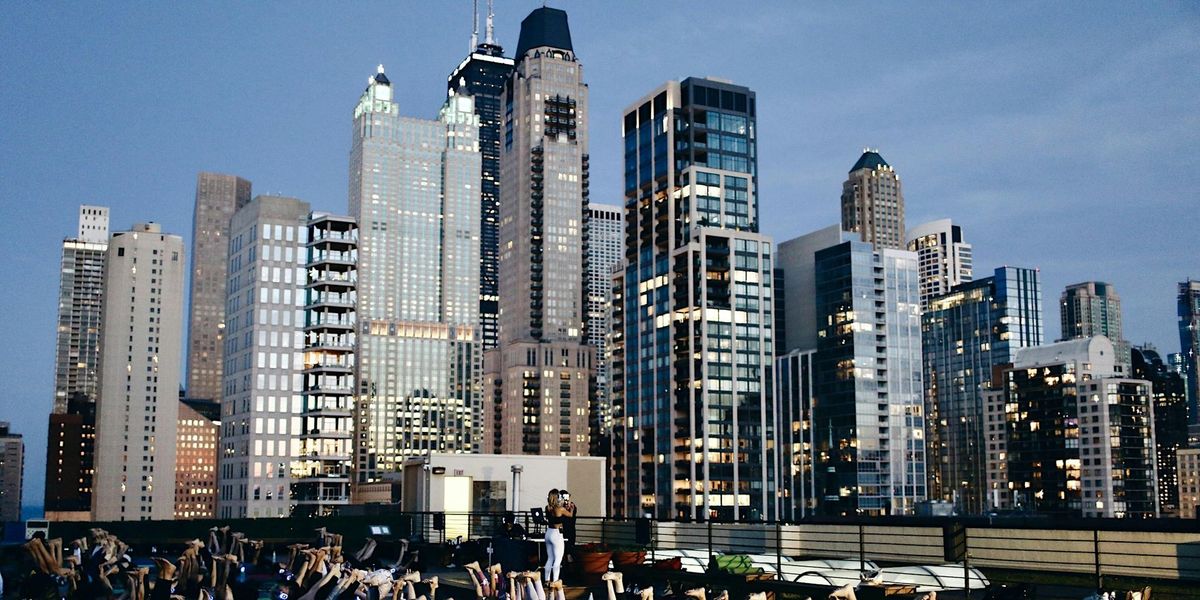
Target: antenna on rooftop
(490, 39)
(474, 25)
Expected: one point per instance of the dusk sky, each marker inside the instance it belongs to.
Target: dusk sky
(1059, 135)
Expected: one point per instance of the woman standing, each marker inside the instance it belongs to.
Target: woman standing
(555, 514)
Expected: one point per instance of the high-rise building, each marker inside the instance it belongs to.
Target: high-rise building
(693, 331)
(414, 191)
(537, 382)
(606, 249)
(869, 423)
(196, 459)
(323, 469)
(217, 198)
(1189, 482)
(1188, 303)
(1078, 441)
(795, 389)
(1094, 308)
(70, 460)
(943, 258)
(482, 75)
(264, 321)
(873, 202)
(1170, 422)
(137, 411)
(72, 424)
(12, 473)
(966, 333)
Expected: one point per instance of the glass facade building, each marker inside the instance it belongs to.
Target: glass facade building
(1188, 305)
(868, 422)
(1094, 308)
(966, 333)
(606, 249)
(1170, 422)
(414, 192)
(482, 75)
(693, 325)
(72, 424)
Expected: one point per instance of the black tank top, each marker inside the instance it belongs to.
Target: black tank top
(552, 519)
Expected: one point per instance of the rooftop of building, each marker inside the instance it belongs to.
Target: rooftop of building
(870, 159)
(544, 27)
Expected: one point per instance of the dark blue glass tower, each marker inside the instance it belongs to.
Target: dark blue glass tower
(482, 75)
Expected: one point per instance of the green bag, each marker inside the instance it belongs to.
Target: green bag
(735, 564)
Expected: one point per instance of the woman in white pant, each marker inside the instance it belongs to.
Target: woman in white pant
(555, 512)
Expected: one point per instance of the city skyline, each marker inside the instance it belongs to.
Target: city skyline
(940, 180)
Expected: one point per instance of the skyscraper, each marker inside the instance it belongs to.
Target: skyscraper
(1170, 422)
(482, 75)
(869, 422)
(217, 198)
(138, 407)
(1188, 303)
(537, 381)
(943, 258)
(1094, 308)
(967, 332)
(70, 455)
(196, 459)
(693, 331)
(606, 247)
(1077, 440)
(873, 202)
(323, 469)
(414, 192)
(12, 473)
(261, 401)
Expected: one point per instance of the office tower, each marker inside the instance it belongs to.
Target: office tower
(72, 423)
(1188, 303)
(217, 198)
(414, 191)
(606, 248)
(482, 75)
(1189, 482)
(966, 333)
(1170, 421)
(12, 472)
(196, 459)
(1093, 308)
(873, 202)
(138, 407)
(795, 388)
(943, 258)
(693, 331)
(869, 423)
(1079, 441)
(537, 382)
(323, 467)
(264, 322)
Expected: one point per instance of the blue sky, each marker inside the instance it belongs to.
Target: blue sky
(1059, 135)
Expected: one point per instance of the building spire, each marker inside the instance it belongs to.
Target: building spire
(489, 39)
(474, 25)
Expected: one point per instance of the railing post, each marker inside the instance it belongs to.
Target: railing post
(862, 551)
(966, 564)
(708, 522)
(778, 551)
(1096, 556)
